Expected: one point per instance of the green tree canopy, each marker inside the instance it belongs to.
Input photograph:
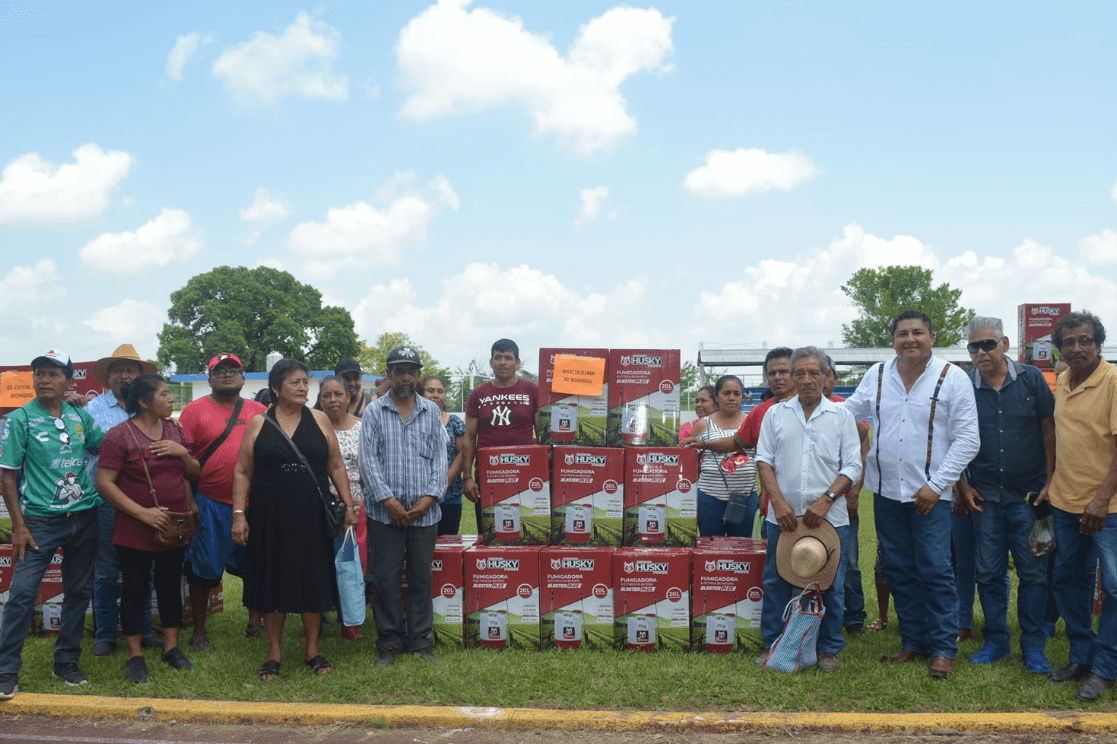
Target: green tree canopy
(374, 359)
(251, 313)
(882, 294)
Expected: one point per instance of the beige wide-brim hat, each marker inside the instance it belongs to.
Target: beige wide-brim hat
(807, 556)
(124, 351)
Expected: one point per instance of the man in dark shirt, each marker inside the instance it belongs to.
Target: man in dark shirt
(1015, 410)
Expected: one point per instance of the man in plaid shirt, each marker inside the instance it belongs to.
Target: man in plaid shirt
(403, 466)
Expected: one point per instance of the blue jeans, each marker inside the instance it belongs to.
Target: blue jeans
(1074, 582)
(854, 592)
(777, 593)
(76, 534)
(916, 553)
(711, 517)
(965, 567)
(106, 592)
(392, 546)
(998, 528)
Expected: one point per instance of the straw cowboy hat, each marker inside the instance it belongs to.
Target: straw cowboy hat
(124, 351)
(807, 556)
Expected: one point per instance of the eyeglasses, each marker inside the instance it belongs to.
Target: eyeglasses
(1082, 341)
(225, 372)
(987, 344)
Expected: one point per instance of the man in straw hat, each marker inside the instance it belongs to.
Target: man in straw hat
(114, 373)
(808, 455)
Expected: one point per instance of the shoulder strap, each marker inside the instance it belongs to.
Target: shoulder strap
(298, 452)
(931, 417)
(224, 435)
(143, 461)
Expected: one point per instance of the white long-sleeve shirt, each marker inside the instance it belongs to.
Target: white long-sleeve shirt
(808, 455)
(899, 460)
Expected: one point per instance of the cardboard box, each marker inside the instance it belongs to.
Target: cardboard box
(502, 597)
(1035, 324)
(644, 397)
(728, 587)
(732, 543)
(576, 595)
(651, 598)
(571, 419)
(448, 594)
(7, 564)
(660, 496)
(215, 603)
(587, 490)
(46, 617)
(515, 494)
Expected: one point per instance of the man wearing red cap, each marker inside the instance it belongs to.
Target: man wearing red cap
(216, 424)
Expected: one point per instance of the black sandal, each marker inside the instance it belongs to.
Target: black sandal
(320, 664)
(269, 671)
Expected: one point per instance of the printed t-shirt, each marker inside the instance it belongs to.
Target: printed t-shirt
(203, 420)
(119, 452)
(505, 416)
(749, 433)
(54, 478)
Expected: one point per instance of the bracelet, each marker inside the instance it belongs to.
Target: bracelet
(354, 508)
(238, 511)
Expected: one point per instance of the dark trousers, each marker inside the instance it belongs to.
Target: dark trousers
(135, 569)
(392, 547)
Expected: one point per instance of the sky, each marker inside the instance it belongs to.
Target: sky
(562, 174)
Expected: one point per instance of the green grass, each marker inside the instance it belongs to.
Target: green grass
(607, 680)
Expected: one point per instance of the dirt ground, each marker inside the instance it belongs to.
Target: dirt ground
(34, 729)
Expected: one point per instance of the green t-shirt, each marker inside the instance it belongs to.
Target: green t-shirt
(51, 453)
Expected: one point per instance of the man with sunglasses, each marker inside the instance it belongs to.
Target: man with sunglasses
(54, 507)
(1081, 492)
(1015, 417)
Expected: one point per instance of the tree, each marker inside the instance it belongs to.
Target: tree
(882, 294)
(374, 359)
(251, 313)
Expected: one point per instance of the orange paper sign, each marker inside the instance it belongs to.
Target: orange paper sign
(16, 388)
(575, 375)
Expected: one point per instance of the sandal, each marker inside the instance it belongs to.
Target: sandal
(269, 671)
(255, 631)
(199, 643)
(879, 624)
(319, 664)
(352, 633)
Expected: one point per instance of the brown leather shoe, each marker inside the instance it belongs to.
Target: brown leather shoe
(964, 634)
(941, 667)
(904, 654)
(828, 662)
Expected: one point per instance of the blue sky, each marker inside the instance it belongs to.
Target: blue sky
(564, 174)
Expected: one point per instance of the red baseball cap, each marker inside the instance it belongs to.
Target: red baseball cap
(223, 357)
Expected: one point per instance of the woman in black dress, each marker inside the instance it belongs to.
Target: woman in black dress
(290, 560)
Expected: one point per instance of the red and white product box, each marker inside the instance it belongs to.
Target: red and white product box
(515, 487)
(588, 495)
(47, 616)
(651, 598)
(1036, 323)
(576, 595)
(502, 597)
(571, 419)
(7, 563)
(724, 542)
(644, 397)
(728, 591)
(448, 594)
(660, 496)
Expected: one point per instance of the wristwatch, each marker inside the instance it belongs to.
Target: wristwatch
(831, 495)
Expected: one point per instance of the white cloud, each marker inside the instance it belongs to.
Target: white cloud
(26, 287)
(1100, 248)
(730, 174)
(298, 63)
(363, 234)
(265, 211)
(129, 321)
(167, 239)
(595, 200)
(185, 48)
(34, 191)
(454, 60)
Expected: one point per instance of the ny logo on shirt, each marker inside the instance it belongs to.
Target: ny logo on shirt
(502, 416)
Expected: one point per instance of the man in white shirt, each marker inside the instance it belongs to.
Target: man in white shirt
(808, 456)
(925, 434)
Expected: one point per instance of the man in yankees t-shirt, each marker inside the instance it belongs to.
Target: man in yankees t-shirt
(500, 413)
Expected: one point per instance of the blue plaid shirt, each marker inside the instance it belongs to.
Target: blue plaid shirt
(107, 412)
(404, 459)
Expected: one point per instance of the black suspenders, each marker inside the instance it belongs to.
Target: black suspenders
(930, 420)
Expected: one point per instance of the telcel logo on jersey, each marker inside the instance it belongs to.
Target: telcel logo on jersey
(510, 459)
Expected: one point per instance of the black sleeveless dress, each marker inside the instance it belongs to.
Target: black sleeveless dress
(289, 565)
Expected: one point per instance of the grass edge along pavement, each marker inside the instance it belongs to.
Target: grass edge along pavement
(125, 709)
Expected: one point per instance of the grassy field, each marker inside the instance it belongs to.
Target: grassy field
(577, 680)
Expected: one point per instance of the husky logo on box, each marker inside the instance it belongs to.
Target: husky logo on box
(500, 564)
(569, 458)
(741, 567)
(56, 559)
(494, 459)
(641, 459)
(626, 360)
(6, 561)
(629, 566)
(642, 360)
(597, 461)
(651, 567)
(556, 564)
(1045, 311)
(661, 458)
(436, 564)
(579, 564)
(509, 459)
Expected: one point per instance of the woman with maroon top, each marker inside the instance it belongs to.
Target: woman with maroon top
(148, 437)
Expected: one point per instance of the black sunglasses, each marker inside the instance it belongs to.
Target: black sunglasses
(985, 345)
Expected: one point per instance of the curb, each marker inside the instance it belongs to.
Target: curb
(125, 709)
